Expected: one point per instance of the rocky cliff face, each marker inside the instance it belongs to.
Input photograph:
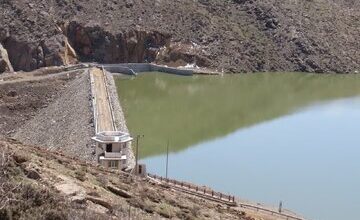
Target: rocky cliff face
(233, 35)
(93, 43)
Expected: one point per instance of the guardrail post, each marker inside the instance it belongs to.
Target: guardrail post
(220, 195)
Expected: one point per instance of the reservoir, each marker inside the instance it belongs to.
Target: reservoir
(271, 137)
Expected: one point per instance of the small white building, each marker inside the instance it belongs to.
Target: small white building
(110, 146)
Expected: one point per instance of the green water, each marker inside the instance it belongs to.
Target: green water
(189, 110)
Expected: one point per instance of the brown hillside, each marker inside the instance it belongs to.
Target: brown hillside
(231, 35)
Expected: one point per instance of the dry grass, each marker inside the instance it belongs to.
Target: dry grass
(59, 194)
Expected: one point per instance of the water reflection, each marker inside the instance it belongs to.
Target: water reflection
(264, 137)
(308, 159)
(190, 110)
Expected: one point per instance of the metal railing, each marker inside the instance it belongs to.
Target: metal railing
(220, 197)
(258, 208)
(194, 189)
(109, 99)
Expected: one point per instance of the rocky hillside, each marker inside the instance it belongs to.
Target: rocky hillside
(229, 35)
(39, 184)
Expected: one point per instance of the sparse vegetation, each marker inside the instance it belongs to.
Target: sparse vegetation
(59, 194)
(80, 174)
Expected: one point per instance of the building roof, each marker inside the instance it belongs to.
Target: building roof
(112, 137)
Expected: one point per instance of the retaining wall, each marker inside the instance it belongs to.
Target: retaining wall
(134, 68)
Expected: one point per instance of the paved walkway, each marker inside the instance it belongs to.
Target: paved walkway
(103, 111)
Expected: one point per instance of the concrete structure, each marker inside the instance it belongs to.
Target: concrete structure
(110, 146)
(134, 68)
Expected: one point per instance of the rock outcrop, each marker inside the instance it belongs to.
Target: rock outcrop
(5, 65)
(94, 43)
(27, 56)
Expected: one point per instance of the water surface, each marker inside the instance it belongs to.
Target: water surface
(263, 137)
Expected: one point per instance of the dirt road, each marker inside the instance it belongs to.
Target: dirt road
(102, 108)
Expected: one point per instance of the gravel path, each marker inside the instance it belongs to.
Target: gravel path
(103, 111)
(66, 124)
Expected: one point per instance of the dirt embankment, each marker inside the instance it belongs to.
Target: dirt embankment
(49, 110)
(21, 100)
(40, 184)
(234, 35)
(66, 123)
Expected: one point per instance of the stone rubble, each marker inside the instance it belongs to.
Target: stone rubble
(66, 124)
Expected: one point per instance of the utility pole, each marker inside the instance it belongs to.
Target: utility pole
(280, 206)
(137, 153)
(167, 159)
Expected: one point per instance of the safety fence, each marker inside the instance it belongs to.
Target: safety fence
(219, 197)
(272, 212)
(198, 190)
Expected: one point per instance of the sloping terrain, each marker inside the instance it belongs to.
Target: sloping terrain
(66, 123)
(40, 184)
(52, 110)
(21, 99)
(229, 35)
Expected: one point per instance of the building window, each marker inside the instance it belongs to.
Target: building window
(108, 147)
(114, 164)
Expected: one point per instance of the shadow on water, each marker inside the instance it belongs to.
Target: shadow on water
(190, 110)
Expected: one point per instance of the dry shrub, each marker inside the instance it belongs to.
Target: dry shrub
(80, 174)
(145, 205)
(166, 210)
(103, 180)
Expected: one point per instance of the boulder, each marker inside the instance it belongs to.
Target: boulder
(5, 65)
(100, 202)
(119, 192)
(33, 174)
